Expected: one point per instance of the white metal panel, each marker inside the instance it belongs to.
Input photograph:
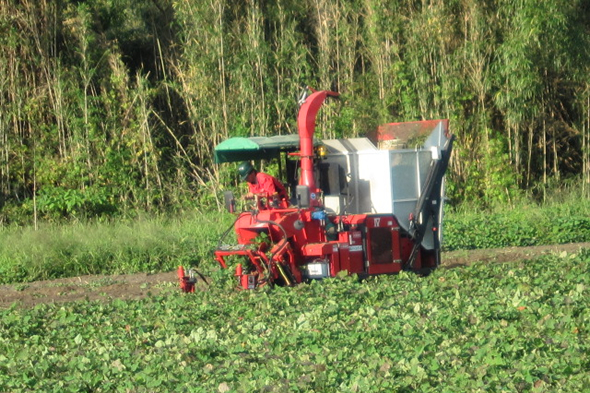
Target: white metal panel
(334, 203)
(348, 145)
(374, 173)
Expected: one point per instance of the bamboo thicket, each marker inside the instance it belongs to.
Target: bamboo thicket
(113, 107)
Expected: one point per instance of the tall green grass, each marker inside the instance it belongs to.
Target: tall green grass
(142, 245)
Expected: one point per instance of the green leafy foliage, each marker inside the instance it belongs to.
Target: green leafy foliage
(57, 202)
(495, 327)
(523, 225)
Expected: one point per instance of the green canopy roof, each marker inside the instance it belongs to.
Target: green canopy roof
(255, 148)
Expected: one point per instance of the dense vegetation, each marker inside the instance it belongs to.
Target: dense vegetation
(495, 327)
(161, 244)
(114, 106)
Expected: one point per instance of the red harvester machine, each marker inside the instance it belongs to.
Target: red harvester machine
(363, 205)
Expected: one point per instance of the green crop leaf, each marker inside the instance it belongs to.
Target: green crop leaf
(78, 339)
(483, 327)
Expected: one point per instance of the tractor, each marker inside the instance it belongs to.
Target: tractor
(364, 206)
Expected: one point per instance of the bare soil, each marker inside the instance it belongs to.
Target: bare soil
(137, 286)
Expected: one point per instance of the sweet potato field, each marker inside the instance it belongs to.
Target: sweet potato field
(512, 327)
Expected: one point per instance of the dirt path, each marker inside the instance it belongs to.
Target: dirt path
(136, 286)
(127, 286)
(510, 254)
